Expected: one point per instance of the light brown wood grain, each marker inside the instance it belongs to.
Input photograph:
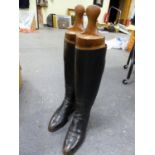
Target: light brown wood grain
(70, 34)
(91, 38)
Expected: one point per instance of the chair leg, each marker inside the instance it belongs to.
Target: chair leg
(125, 81)
(131, 55)
(128, 61)
(130, 71)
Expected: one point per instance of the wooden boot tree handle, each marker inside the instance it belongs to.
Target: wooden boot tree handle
(92, 13)
(91, 38)
(70, 34)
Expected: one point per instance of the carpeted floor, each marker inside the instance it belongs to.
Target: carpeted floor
(111, 125)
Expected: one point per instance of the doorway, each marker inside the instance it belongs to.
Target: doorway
(113, 12)
(124, 6)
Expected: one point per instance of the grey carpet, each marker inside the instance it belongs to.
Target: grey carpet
(111, 125)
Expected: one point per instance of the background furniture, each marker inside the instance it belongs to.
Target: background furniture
(131, 60)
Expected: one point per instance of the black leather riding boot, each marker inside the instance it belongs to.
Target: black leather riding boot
(60, 117)
(89, 66)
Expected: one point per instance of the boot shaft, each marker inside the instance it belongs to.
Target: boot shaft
(89, 67)
(69, 50)
(69, 61)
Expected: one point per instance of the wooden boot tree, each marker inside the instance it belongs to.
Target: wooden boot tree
(91, 38)
(70, 34)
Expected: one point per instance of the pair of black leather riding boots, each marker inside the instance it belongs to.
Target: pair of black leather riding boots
(83, 71)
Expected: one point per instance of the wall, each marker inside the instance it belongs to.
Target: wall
(60, 7)
(104, 10)
(33, 8)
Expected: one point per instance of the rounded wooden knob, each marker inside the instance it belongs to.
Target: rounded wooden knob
(92, 13)
(91, 38)
(79, 11)
(78, 23)
(70, 34)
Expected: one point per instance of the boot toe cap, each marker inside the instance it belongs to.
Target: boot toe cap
(71, 143)
(52, 126)
(54, 123)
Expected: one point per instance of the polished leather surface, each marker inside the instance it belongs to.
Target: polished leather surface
(88, 74)
(61, 116)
